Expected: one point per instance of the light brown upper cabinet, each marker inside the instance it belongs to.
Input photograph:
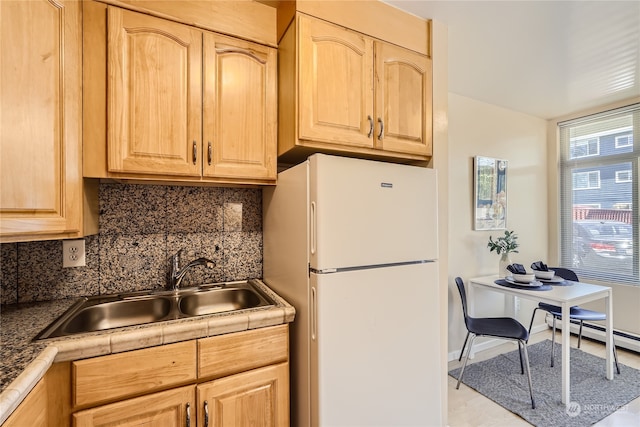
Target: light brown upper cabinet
(154, 99)
(182, 104)
(352, 94)
(41, 189)
(403, 101)
(335, 85)
(240, 109)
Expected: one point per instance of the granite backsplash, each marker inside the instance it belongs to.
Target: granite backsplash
(141, 226)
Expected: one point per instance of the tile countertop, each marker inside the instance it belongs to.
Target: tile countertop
(25, 362)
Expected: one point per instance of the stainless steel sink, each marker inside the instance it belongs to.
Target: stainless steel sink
(209, 302)
(98, 313)
(117, 314)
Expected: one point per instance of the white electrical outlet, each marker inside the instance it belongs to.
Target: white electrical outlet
(73, 253)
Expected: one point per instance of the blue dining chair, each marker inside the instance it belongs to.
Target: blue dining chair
(497, 327)
(575, 313)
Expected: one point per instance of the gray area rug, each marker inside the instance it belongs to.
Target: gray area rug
(593, 397)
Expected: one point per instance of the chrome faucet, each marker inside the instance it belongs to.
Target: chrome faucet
(177, 274)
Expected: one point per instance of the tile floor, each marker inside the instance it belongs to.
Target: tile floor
(469, 408)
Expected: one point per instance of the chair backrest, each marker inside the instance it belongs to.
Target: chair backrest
(565, 273)
(463, 297)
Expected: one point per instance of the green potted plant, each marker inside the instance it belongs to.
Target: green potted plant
(504, 245)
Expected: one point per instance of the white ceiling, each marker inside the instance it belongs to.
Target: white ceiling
(543, 58)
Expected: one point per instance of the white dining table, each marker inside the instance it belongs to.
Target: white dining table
(565, 296)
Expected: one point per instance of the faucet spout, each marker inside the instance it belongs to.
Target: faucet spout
(177, 274)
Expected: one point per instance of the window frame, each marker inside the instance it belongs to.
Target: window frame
(589, 187)
(628, 144)
(574, 143)
(623, 181)
(585, 128)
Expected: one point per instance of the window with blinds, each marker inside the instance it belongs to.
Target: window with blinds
(599, 195)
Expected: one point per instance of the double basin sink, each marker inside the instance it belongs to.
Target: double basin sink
(90, 314)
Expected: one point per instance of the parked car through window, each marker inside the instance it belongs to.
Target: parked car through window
(603, 245)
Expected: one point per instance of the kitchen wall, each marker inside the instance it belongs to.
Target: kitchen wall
(141, 226)
(477, 128)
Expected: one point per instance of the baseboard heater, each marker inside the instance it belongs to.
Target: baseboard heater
(596, 332)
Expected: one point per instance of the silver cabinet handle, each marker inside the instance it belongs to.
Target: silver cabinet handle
(195, 152)
(370, 126)
(381, 129)
(210, 153)
(206, 414)
(313, 228)
(188, 415)
(314, 321)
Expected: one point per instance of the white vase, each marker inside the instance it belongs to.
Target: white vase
(505, 261)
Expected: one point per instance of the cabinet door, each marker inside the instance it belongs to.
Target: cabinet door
(40, 120)
(240, 109)
(154, 95)
(48, 403)
(165, 409)
(257, 398)
(335, 84)
(33, 411)
(403, 100)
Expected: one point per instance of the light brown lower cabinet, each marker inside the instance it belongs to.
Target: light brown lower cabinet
(255, 398)
(33, 410)
(47, 405)
(230, 380)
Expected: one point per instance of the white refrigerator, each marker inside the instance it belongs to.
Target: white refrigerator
(352, 244)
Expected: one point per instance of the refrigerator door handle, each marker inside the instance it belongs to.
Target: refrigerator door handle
(313, 228)
(314, 311)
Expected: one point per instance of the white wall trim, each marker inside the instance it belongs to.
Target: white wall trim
(624, 342)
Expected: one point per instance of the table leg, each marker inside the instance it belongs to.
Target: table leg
(566, 351)
(608, 300)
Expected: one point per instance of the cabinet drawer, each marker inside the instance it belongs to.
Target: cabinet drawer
(167, 409)
(229, 354)
(108, 378)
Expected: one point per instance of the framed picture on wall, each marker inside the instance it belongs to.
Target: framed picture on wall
(490, 193)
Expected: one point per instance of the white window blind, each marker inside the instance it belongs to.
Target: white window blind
(599, 170)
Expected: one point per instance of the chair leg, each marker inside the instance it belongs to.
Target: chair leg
(615, 352)
(520, 352)
(553, 340)
(466, 359)
(579, 334)
(531, 323)
(463, 346)
(526, 358)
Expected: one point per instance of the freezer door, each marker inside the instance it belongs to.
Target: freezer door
(375, 338)
(368, 213)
